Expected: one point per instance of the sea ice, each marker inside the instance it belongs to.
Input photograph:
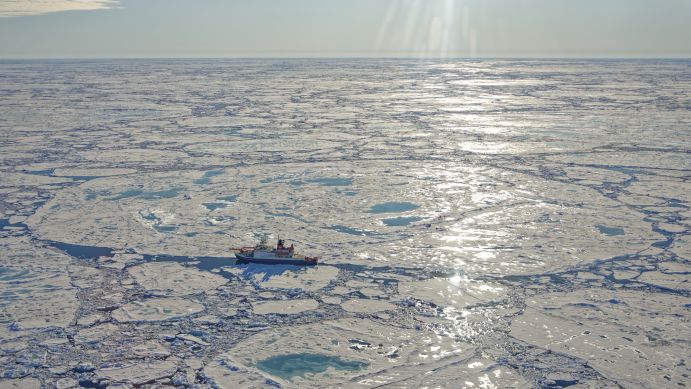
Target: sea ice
(156, 309)
(285, 307)
(384, 350)
(366, 306)
(480, 223)
(310, 279)
(173, 279)
(139, 373)
(23, 383)
(631, 337)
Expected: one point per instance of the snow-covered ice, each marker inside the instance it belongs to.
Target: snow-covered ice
(486, 223)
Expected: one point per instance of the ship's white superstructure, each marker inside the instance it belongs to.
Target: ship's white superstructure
(263, 253)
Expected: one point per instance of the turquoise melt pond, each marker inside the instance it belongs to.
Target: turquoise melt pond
(298, 365)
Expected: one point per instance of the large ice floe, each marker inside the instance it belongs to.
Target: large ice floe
(155, 309)
(346, 350)
(630, 335)
(169, 278)
(481, 224)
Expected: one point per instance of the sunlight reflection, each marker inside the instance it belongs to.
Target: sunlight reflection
(456, 280)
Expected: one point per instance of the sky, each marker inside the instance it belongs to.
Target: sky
(344, 28)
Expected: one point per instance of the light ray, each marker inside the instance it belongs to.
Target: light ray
(427, 28)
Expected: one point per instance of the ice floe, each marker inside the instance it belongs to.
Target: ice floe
(366, 305)
(365, 350)
(285, 307)
(631, 337)
(156, 309)
(173, 279)
(138, 374)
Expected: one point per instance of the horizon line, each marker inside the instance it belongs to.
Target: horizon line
(353, 57)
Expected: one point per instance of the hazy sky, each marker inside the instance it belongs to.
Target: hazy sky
(299, 28)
